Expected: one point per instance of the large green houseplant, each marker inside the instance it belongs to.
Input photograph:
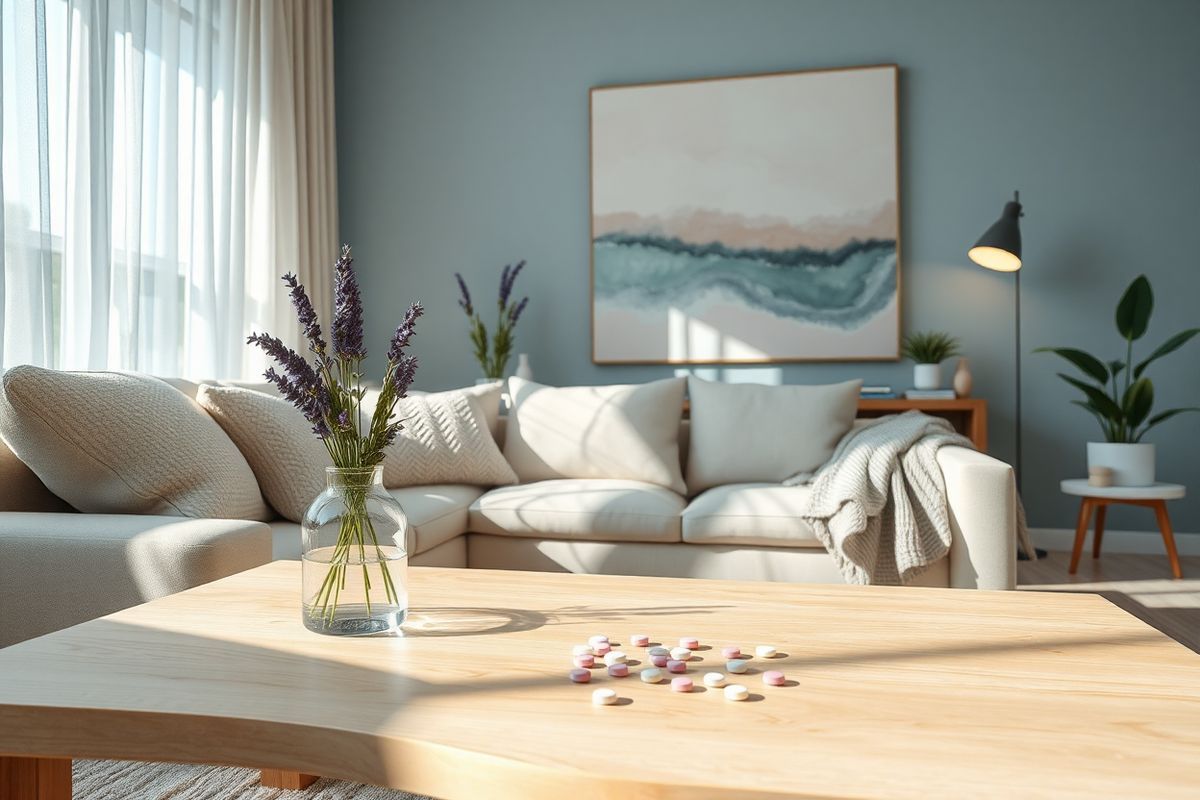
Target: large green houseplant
(1119, 394)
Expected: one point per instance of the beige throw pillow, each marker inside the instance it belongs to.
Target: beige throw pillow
(446, 439)
(749, 433)
(118, 442)
(625, 432)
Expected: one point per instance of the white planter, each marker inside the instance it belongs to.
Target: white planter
(486, 381)
(1132, 464)
(927, 376)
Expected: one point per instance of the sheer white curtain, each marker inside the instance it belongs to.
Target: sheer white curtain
(164, 162)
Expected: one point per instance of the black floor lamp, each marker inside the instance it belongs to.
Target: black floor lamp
(1000, 249)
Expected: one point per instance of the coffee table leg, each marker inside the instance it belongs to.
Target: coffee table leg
(1081, 527)
(283, 779)
(1098, 533)
(35, 778)
(1164, 527)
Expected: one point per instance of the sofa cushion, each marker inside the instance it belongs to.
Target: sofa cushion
(593, 509)
(743, 433)
(488, 394)
(436, 514)
(621, 432)
(119, 442)
(765, 514)
(446, 439)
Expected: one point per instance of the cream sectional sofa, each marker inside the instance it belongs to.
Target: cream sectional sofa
(59, 567)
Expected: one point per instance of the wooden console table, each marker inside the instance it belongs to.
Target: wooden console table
(968, 415)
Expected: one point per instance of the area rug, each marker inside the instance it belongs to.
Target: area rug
(133, 780)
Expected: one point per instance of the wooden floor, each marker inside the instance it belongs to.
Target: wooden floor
(1140, 584)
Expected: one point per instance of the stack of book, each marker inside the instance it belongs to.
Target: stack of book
(929, 394)
(877, 393)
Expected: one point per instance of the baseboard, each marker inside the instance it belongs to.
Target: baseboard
(1116, 541)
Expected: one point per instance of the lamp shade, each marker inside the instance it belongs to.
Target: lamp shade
(1000, 246)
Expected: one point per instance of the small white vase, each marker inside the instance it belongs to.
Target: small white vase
(1131, 464)
(962, 379)
(524, 371)
(927, 376)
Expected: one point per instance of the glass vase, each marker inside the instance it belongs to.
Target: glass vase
(355, 556)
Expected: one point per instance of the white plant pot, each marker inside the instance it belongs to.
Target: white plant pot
(927, 376)
(1132, 464)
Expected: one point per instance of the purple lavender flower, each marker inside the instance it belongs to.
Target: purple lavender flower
(507, 279)
(514, 313)
(343, 420)
(347, 310)
(465, 300)
(405, 331)
(299, 385)
(403, 375)
(306, 314)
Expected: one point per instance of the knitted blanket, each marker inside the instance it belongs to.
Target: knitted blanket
(879, 504)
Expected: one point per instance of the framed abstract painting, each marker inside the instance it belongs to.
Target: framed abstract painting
(751, 219)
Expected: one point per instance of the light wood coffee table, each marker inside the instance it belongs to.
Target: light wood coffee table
(899, 693)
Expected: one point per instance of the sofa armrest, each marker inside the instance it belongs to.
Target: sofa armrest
(58, 570)
(982, 499)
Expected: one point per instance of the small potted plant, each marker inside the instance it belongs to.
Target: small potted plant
(1119, 395)
(493, 354)
(929, 349)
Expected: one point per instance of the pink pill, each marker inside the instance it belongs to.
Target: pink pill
(579, 675)
(639, 640)
(731, 652)
(690, 643)
(659, 661)
(774, 678)
(619, 670)
(585, 661)
(600, 648)
(681, 684)
(676, 666)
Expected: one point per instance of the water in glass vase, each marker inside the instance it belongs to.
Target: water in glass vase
(353, 596)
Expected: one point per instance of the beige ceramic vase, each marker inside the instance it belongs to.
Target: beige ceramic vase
(963, 379)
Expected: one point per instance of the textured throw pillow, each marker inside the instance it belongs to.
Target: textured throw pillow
(748, 433)
(116, 442)
(488, 395)
(445, 440)
(626, 432)
(276, 439)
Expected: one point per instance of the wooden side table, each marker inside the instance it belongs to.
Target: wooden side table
(1098, 499)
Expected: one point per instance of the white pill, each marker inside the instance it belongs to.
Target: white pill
(764, 651)
(652, 675)
(680, 653)
(604, 697)
(735, 691)
(614, 657)
(582, 650)
(597, 640)
(714, 679)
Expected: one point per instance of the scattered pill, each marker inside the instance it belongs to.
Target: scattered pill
(690, 642)
(659, 651)
(604, 697)
(681, 684)
(714, 679)
(735, 691)
(598, 639)
(674, 665)
(731, 652)
(659, 660)
(582, 650)
(737, 666)
(615, 657)
(618, 670)
(585, 661)
(604, 648)
(639, 640)
(652, 675)
(580, 675)
(774, 678)
(681, 653)
(764, 651)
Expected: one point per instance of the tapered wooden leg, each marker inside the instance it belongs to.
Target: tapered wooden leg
(1098, 532)
(35, 778)
(283, 779)
(1164, 527)
(1081, 529)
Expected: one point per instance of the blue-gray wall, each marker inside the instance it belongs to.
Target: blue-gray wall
(463, 145)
